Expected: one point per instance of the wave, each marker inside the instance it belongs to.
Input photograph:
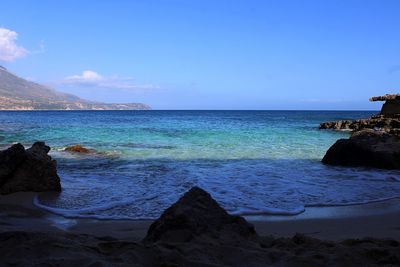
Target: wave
(95, 212)
(268, 211)
(355, 203)
(79, 213)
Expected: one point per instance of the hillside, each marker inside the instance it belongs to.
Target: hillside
(19, 94)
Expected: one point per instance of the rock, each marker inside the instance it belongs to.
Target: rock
(77, 149)
(388, 120)
(340, 125)
(197, 214)
(391, 107)
(388, 124)
(28, 170)
(366, 148)
(385, 97)
(9, 161)
(392, 104)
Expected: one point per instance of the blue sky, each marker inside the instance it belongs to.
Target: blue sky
(208, 54)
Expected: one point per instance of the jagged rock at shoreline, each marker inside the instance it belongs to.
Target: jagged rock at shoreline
(367, 148)
(197, 214)
(20, 94)
(391, 105)
(388, 120)
(28, 170)
(10, 159)
(375, 141)
(378, 122)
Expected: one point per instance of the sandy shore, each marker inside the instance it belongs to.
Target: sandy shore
(377, 220)
(30, 236)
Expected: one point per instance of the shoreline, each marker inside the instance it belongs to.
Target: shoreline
(376, 220)
(33, 237)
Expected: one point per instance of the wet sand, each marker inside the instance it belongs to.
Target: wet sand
(29, 236)
(377, 220)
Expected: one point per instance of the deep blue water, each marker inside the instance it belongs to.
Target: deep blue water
(252, 162)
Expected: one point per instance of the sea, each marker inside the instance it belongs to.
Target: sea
(251, 162)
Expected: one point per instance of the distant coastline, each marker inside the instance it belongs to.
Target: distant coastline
(17, 93)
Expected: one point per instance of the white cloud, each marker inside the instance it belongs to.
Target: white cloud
(94, 79)
(9, 50)
(87, 77)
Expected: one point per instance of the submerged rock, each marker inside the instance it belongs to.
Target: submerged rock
(78, 149)
(367, 148)
(28, 170)
(197, 214)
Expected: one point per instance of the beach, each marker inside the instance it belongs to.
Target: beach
(199, 133)
(63, 238)
(377, 220)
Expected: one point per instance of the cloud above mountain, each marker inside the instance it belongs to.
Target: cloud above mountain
(91, 78)
(9, 50)
(87, 77)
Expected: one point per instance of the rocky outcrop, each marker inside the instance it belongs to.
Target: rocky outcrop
(28, 170)
(388, 120)
(196, 214)
(392, 104)
(375, 141)
(78, 149)
(367, 148)
(341, 125)
(386, 97)
(10, 159)
(388, 124)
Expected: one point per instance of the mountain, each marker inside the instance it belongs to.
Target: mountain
(20, 94)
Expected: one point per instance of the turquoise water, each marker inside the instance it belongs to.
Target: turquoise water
(252, 162)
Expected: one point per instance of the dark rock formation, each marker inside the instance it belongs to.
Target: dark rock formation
(10, 159)
(367, 148)
(392, 104)
(28, 170)
(375, 141)
(197, 214)
(78, 149)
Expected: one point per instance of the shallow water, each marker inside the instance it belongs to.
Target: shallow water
(252, 162)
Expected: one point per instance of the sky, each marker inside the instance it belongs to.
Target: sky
(199, 54)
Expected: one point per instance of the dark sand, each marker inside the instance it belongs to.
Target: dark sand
(30, 236)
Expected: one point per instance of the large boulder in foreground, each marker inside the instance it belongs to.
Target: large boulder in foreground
(196, 214)
(28, 170)
(10, 159)
(366, 148)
